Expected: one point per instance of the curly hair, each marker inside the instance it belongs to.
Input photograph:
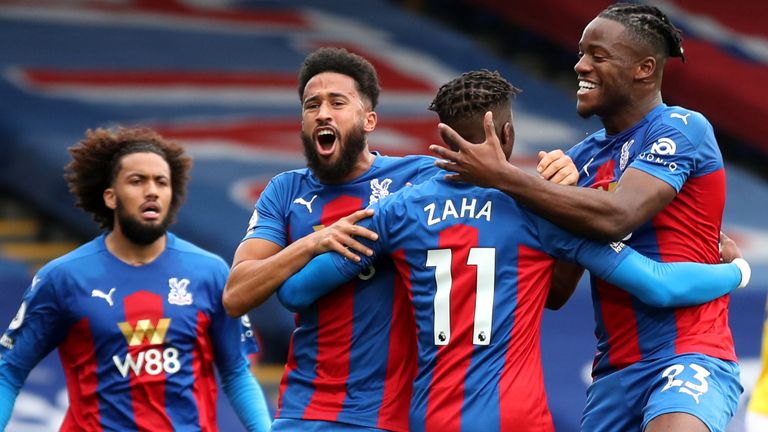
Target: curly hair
(331, 59)
(648, 25)
(96, 163)
(472, 93)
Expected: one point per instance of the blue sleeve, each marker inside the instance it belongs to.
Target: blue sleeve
(654, 283)
(670, 151)
(232, 338)
(39, 326)
(11, 380)
(319, 277)
(329, 270)
(673, 284)
(247, 398)
(268, 218)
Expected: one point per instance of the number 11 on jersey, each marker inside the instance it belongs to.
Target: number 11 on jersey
(485, 261)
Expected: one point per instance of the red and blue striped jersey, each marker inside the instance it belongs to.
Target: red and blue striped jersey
(477, 267)
(137, 343)
(351, 358)
(677, 146)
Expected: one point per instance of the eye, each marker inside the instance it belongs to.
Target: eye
(311, 105)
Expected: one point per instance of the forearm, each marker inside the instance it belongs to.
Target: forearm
(247, 399)
(11, 380)
(591, 213)
(565, 278)
(252, 281)
(677, 284)
(316, 279)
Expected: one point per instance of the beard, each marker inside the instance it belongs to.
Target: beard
(352, 146)
(138, 232)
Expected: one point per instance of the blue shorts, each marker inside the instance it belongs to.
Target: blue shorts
(294, 425)
(626, 400)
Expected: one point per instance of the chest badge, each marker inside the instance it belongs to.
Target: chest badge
(178, 294)
(379, 190)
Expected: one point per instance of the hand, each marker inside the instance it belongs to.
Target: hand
(557, 167)
(479, 164)
(340, 236)
(728, 249)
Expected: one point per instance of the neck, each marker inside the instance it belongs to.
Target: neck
(131, 253)
(631, 114)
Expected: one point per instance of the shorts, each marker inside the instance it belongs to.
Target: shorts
(628, 399)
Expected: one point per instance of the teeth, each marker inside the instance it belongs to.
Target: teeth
(585, 85)
(324, 132)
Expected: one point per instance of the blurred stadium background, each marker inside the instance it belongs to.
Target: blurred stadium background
(220, 77)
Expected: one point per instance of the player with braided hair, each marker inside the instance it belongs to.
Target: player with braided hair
(477, 267)
(654, 177)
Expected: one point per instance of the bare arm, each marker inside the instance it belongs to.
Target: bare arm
(589, 212)
(565, 278)
(729, 251)
(261, 266)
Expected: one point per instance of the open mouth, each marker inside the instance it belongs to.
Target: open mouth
(150, 211)
(326, 141)
(585, 87)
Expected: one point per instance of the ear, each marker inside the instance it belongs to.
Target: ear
(110, 199)
(370, 121)
(508, 134)
(646, 68)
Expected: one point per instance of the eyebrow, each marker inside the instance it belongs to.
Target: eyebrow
(331, 94)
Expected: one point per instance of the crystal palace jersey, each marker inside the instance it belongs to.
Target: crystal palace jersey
(477, 267)
(351, 359)
(137, 343)
(677, 146)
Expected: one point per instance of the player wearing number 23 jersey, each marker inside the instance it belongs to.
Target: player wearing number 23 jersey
(478, 267)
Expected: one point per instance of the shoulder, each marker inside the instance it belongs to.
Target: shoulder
(73, 260)
(685, 121)
(195, 252)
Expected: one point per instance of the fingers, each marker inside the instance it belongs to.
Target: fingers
(358, 216)
(557, 167)
(490, 129)
(444, 153)
(451, 138)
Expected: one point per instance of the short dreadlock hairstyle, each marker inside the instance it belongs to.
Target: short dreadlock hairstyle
(648, 25)
(339, 60)
(473, 93)
(96, 162)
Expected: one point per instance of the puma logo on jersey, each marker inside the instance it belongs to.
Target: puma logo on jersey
(107, 297)
(684, 118)
(307, 204)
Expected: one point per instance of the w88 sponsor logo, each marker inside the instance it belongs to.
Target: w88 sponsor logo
(153, 361)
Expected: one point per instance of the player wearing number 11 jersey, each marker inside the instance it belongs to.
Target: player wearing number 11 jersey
(477, 267)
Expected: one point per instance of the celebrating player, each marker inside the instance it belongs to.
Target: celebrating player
(136, 313)
(654, 176)
(477, 267)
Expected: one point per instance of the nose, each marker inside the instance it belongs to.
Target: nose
(323, 113)
(581, 66)
(151, 189)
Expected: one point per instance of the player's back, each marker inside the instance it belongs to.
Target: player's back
(677, 146)
(478, 278)
(351, 358)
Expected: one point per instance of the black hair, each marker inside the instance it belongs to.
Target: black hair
(96, 161)
(472, 93)
(647, 24)
(331, 59)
